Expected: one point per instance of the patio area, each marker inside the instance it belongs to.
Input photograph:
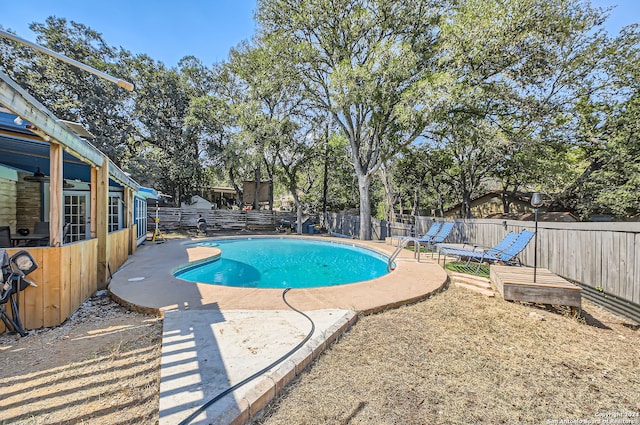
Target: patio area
(215, 336)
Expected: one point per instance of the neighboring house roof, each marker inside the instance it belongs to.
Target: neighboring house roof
(542, 216)
(197, 202)
(518, 196)
(229, 190)
(148, 193)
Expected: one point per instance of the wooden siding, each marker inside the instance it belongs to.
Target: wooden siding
(8, 209)
(602, 256)
(118, 247)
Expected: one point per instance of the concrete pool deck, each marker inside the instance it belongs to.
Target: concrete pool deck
(215, 336)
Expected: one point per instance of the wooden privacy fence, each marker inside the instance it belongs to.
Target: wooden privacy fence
(603, 257)
(186, 218)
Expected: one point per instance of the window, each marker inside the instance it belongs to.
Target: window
(75, 213)
(115, 212)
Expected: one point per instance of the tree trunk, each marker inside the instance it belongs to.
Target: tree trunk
(505, 202)
(466, 205)
(325, 183)
(416, 200)
(390, 213)
(364, 182)
(269, 168)
(239, 195)
(441, 206)
(296, 200)
(271, 194)
(256, 190)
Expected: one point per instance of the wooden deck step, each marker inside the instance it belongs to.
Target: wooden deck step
(517, 284)
(475, 283)
(478, 281)
(486, 292)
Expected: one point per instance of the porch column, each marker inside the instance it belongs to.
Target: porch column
(56, 206)
(93, 202)
(101, 221)
(129, 219)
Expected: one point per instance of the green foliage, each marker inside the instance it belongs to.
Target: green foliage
(166, 99)
(442, 96)
(472, 269)
(73, 94)
(365, 64)
(609, 131)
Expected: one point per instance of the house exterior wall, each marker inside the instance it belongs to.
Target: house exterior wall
(8, 209)
(490, 204)
(28, 204)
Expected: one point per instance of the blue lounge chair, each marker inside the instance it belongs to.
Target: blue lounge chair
(460, 251)
(440, 236)
(430, 233)
(507, 256)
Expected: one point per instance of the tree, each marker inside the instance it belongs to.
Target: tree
(162, 109)
(474, 149)
(517, 68)
(544, 166)
(261, 99)
(609, 134)
(366, 63)
(421, 179)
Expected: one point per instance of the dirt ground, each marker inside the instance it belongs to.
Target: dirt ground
(457, 358)
(102, 366)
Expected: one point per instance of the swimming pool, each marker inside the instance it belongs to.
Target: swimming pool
(285, 263)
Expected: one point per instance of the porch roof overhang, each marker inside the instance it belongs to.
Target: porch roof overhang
(44, 128)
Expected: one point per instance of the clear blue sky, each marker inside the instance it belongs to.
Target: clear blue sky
(165, 30)
(169, 30)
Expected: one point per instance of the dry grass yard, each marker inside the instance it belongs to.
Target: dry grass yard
(458, 358)
(461, 358)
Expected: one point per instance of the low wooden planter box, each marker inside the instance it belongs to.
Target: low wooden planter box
(516, 284)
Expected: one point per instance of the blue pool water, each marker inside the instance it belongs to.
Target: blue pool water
(285, 263)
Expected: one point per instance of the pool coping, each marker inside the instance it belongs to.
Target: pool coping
(146, 283)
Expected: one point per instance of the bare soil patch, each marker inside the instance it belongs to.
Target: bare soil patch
(458, 358)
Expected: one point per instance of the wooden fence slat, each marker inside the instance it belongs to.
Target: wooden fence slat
(65, 282)
(635, 278)
(31, 313)
(597, 275)
(627, 278)
(591, 257)
(51, 288)
(607, 256)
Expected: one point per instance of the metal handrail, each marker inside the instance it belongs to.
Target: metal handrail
(403, 243)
